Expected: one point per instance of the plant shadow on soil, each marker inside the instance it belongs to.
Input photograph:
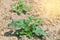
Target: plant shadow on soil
(24, 12)
(10, 34)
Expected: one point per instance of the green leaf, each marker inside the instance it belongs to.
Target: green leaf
(28, 29)
(18, 24)
(39, 32)
(20, 7)
(38, 20)
(20, 3)
(26, 8)
(31, 18)
(29, 34)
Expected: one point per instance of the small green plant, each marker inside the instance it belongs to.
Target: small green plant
(29, 27)
(20, 7)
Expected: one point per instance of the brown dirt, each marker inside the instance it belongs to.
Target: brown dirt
(39, 8)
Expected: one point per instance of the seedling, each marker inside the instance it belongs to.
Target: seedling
(29, 27)
(20, 7)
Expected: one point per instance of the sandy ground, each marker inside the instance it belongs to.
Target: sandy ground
(51, 22)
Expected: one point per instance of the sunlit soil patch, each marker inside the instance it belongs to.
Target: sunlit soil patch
(47, 9)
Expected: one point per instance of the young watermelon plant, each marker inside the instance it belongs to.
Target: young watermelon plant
(20, 7)
(29, 27)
